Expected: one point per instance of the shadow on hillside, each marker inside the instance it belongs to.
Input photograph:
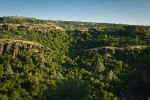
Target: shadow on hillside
(68, 89)
(135, 81)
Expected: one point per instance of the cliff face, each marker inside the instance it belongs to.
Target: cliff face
(122, 53)
(36, 27)
(13, 46)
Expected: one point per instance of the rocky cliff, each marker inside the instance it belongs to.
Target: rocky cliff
(36, 27)
(122, 52)
(13, 46)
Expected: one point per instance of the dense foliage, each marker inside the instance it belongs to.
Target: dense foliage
(86, 61)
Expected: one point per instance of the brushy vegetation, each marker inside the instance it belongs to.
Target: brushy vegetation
(83, 61)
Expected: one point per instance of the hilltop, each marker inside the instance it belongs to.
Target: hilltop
(47, 59)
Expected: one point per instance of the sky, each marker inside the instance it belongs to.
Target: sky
(136, 12)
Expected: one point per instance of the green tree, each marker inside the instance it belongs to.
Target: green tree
(100, 67)
(15, 95)
(110, 75)
(70, 89)
(3, 97)
(137, 40)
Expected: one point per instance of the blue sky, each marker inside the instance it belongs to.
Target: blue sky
(106, 11)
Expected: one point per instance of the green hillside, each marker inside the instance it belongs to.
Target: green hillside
(69, 60)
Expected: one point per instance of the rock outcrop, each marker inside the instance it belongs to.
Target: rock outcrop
(122, 52)
(13, 46)
(36, 27)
